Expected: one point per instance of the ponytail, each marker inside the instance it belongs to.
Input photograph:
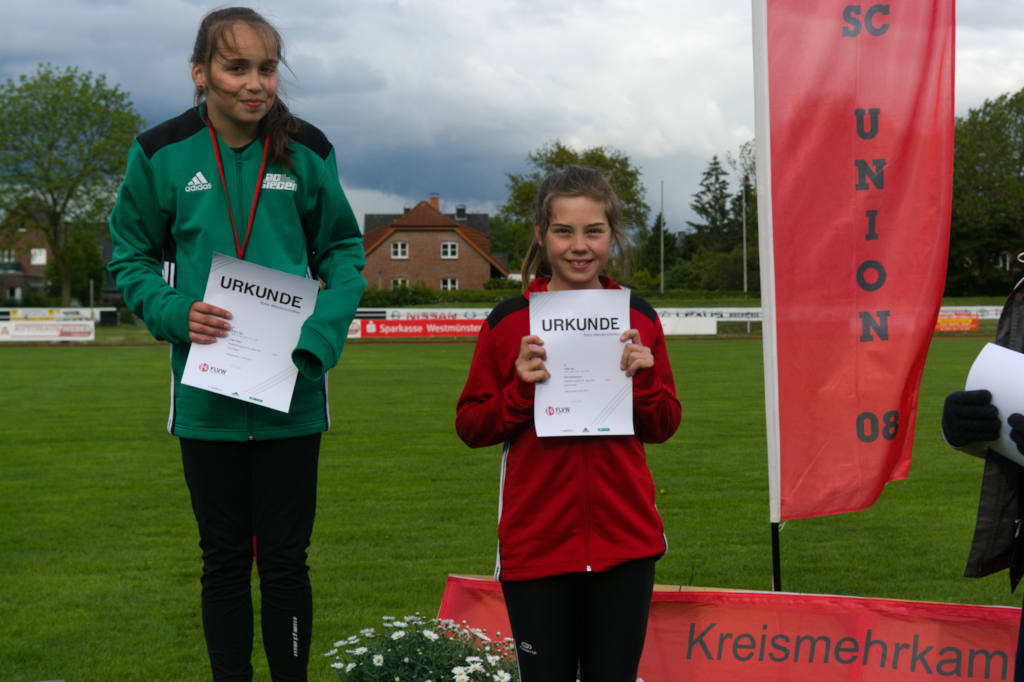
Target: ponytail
(535, 263)
(277, 127)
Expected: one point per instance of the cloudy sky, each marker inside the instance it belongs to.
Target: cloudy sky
(447, 96)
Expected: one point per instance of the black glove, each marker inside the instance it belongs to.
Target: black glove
(1016, 422)
(970, 417)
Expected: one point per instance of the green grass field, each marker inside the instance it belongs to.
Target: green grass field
(99, 563)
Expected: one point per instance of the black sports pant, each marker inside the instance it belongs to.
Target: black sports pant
(255, 497)
(595, 622)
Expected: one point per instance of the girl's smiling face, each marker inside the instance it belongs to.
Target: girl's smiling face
(577, 243)
(240, 83)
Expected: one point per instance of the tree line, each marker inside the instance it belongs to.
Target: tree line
(64, 135)
(987, 224)
(708, 254)
(986, 250)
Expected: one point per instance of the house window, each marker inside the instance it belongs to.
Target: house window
(449, 250)
(37, 257)
(399, 282)
(449, 283)
(6, 255)
(399, 249)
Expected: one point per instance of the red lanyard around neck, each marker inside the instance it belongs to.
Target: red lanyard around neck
(239, 248)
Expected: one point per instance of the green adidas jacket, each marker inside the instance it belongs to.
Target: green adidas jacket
(171, 215)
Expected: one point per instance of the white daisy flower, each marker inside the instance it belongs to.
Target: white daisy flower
(398, 634)
(378, 660)
(431, 635)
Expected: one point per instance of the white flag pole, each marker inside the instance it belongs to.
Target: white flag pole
(767, 261)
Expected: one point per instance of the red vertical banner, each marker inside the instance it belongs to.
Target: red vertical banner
(855, 167)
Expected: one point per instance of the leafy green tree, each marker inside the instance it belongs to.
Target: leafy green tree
(644, 280)
(743, 211)
(713, 246)
(64, 136)
(987, 222)
(647, 254)
(717, 231)
(711, 252)
(515, 217)
(511, 237)
(716, 270)
(677, 276)
(85, 264)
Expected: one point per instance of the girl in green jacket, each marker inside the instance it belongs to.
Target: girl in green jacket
(239, 174)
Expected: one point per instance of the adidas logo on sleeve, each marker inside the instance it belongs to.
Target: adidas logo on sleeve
(198, 183)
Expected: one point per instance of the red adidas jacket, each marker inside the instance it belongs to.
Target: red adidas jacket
(567, 504)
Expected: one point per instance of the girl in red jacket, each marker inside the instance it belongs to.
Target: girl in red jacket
(578, 532)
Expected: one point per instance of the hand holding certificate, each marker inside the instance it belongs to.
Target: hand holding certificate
(254, 361)
(1000, 371)
(587, 392)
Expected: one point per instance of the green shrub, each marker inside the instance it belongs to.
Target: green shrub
(422, 295)
(503, 284)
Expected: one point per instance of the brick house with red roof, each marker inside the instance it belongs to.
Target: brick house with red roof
(24, 254)
(424, 245)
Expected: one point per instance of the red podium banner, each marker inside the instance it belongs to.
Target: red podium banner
(724, 636)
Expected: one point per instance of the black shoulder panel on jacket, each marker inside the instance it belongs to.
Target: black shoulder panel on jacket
(641, 306)
(311, 136)
(506, 308)
(173, 130)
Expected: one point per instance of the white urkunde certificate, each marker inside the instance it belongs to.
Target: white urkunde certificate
(587, 394)
(1001, 371)
(254, 361)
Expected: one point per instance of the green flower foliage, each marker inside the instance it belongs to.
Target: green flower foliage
(412, 649)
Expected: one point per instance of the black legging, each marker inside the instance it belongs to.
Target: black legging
(255, 497)
(595, 622)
